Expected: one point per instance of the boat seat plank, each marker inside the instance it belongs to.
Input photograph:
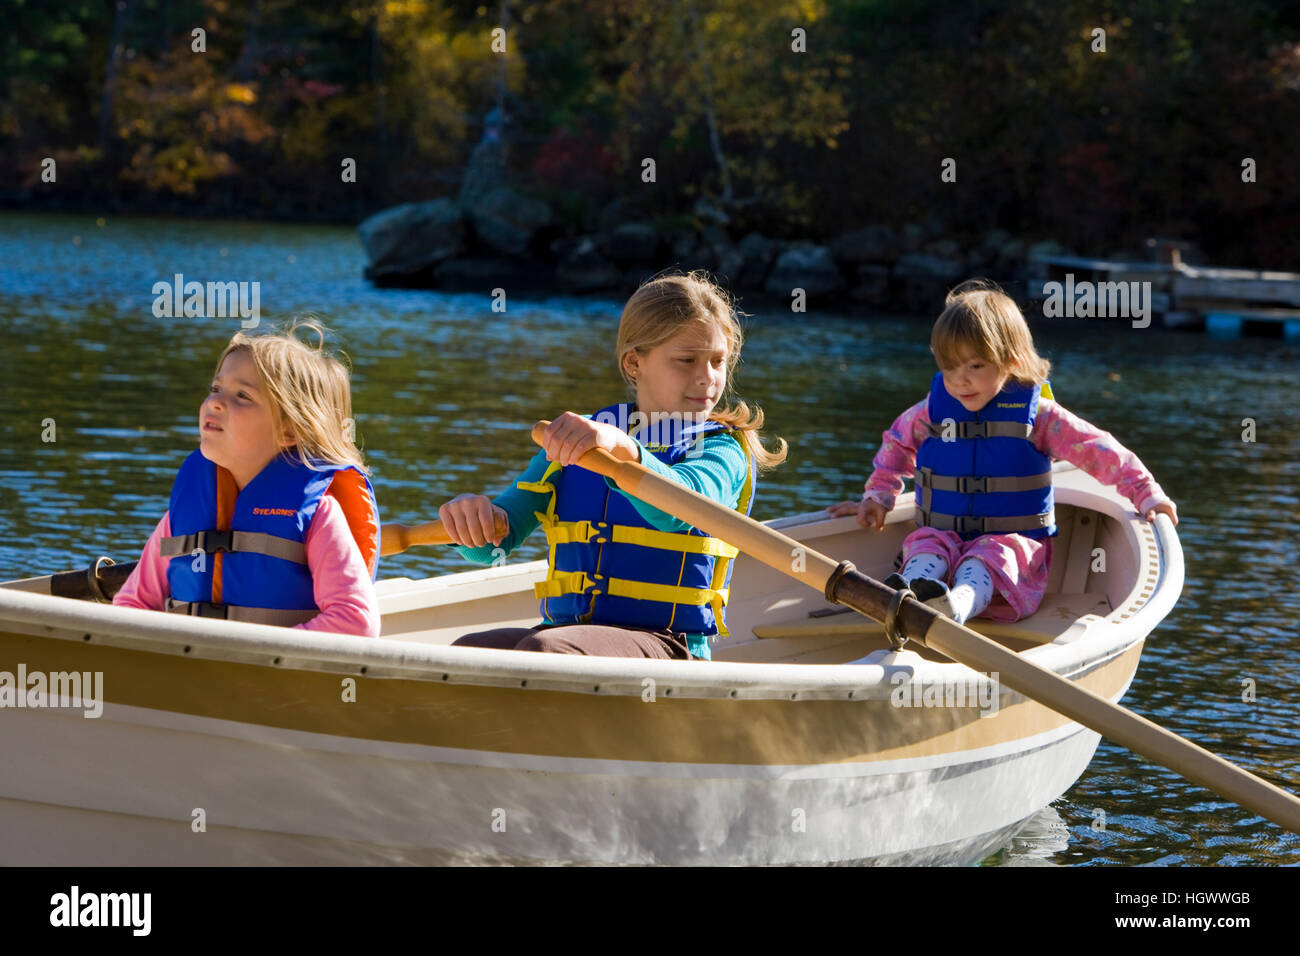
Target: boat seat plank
(1053, 618)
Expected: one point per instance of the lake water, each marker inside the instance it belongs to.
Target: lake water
(444, 390)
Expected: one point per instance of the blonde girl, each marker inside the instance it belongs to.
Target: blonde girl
(272, 519)
(626, 579)
(980, 447)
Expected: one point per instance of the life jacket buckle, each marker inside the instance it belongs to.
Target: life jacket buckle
(971, 485)
(210, 542)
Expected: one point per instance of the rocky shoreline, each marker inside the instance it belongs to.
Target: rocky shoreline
(505, 240)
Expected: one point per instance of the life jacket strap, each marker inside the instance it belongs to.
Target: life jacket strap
(214, 542)
(968, 485)
(573, 532)
(249, 615)
(987, 524)
(560, 583)
(672, 541)
(543, 487)
(666, 593)
(941, 431)
(579, 582)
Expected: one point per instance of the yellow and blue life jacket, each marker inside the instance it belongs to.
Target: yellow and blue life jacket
(240, 554)
(978, 472)
(608, 565)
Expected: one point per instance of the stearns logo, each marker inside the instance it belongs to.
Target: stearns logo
(1012, 404)
(286, 512)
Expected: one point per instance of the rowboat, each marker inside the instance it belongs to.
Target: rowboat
(808, 739)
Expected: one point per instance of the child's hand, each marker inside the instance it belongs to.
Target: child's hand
(470, 520)
(571, 436)
(871, 513)
(1164, 508)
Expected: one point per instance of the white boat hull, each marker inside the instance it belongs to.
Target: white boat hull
(237, 744)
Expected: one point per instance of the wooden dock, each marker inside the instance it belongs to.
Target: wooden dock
(1219, 301)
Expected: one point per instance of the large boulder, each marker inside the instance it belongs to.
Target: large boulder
(943, 248)
(584, 269)
(725, 258)
(921, 281)
(804, 265)
(412, 237)
(874, 243)
(505, 221)
(921, 265)
(873, 289)
(757, 252)
(632, 242)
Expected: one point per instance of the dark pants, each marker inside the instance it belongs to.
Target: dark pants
(593, 639)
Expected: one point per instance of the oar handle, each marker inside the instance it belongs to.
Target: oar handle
(398, 537)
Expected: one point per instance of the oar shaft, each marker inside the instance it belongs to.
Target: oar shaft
(103, 580)
(1118, 723)
(844, 584)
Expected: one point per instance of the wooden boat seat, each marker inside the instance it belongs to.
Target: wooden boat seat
(1052, 619)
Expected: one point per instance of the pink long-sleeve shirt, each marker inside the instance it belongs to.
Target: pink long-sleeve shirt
(340, 581)
(1018, 564)
(1057, 433)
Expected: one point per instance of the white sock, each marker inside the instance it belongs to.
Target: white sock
(972, 589)
(925, 566)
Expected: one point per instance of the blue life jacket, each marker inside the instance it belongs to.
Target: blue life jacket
(608, 565)
(241, 554)
(978, 472)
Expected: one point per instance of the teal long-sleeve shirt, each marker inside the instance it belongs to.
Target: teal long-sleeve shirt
(718, 470)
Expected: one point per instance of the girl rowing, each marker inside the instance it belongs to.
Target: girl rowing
(625, 579)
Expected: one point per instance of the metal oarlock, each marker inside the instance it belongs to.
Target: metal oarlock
(896, 637)
(92, 580)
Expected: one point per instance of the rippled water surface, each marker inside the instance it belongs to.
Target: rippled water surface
(444, 390)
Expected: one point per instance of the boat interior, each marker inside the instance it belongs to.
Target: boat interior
(1101, 566)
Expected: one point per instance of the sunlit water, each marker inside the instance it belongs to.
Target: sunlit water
(445, 389)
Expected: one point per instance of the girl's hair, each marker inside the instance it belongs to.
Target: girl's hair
(308, 391)
(665, 305)
(981, 319)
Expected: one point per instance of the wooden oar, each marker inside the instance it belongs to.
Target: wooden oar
(103, 579)
(844, 584)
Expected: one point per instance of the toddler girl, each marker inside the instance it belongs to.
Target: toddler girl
(980, 449)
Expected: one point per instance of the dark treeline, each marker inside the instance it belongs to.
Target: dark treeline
(1051, 137)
